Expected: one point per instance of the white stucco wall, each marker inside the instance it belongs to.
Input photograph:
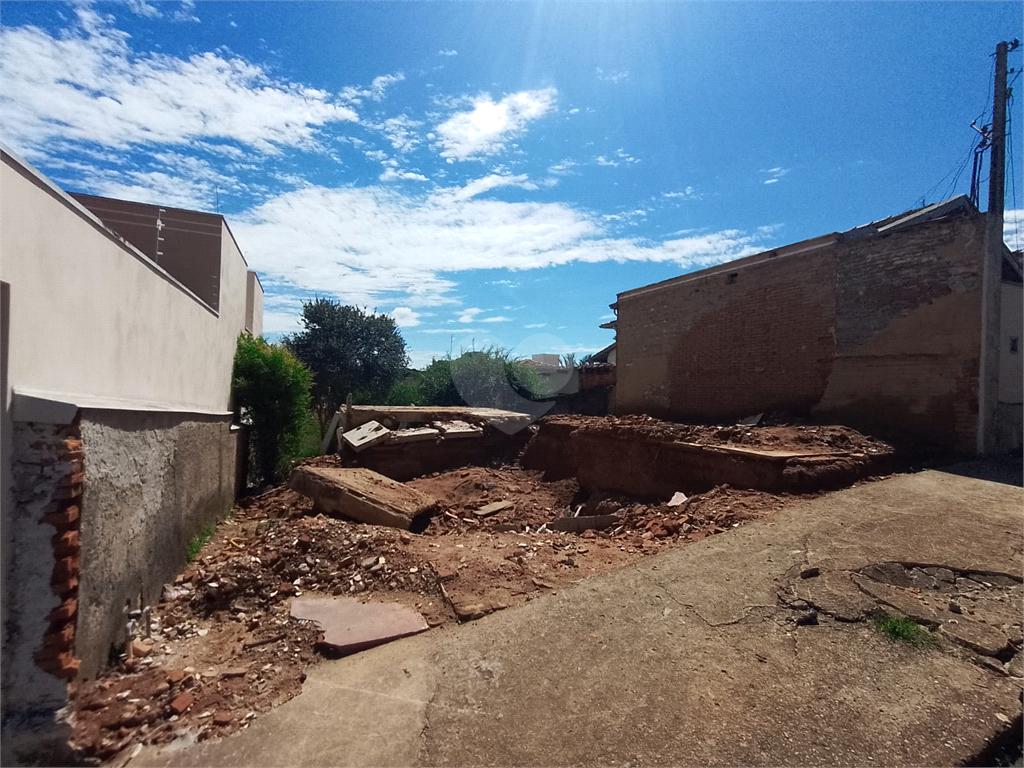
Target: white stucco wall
(254, 305)
(95, 322)
(1011, 365)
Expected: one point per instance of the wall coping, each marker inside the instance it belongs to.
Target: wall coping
(61, 408)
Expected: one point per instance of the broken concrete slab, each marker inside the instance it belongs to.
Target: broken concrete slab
(677, 498)
(392, 417)
(349, 626)
(979, 637)
(493, 508)
(369, 434)
(586, 523)
(413, 435)
(458, 429)
(361, 494)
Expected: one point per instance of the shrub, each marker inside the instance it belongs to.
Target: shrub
(271, 395)
(489, 378)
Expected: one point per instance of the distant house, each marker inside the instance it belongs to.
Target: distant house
(879, 327)
(119, 323)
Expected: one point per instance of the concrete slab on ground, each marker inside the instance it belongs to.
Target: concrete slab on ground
(688, 658)
(361, 494)
(349, 626)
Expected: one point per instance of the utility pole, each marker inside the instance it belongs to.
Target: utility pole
(991, 282)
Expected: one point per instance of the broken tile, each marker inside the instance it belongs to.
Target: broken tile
(349, 626)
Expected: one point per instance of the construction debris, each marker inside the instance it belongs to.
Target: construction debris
(458, 429)
(369, 434)
(361, 494)
(349, 626)
(493, 508)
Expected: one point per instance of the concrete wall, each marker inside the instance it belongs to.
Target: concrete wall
(98, 337)
(129, 331)
(1011, 367)
(152, 480)
(879, 332)
(253, 304)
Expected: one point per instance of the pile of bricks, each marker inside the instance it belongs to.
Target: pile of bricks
(57, 654)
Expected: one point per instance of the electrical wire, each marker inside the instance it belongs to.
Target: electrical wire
(956, 169)
(1013, 173)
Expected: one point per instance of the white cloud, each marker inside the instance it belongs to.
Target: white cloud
(485, 184)
(775, 174)
(496, 320)
(469, 315)
(421, 358)
(452, 330)
(574, 111)
(400, 131)
(562, 168)
(447, 53)
(405, 317)
(485, 128)
(535, 325)
(186, 12)
(1013, 229)
(394, 174)
(375, 245)
(686, 194)
(602, 160)
(87, 86)
(143, 8)
(611, 77)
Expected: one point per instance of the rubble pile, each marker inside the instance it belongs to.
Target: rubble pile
(223, 646)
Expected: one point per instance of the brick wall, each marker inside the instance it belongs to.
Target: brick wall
(47, 470)
(880, 332)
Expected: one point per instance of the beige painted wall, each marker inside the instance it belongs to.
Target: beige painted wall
(253, 304)
(1011, 364)
(95, 322)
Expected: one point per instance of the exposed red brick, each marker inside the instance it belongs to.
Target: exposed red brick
(182, 702)
(72, 445)
(76, 478)
(67, 568)
(63, 666)
(63, 517)
(66, 544)
(59, 634)
(65, 611)
(63, 587)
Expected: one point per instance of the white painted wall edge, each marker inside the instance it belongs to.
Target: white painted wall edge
(61, 407)
(40, 180)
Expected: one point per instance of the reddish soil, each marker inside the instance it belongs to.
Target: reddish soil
(224, 636)
(801, 438)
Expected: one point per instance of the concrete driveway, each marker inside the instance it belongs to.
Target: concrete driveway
(692, 657)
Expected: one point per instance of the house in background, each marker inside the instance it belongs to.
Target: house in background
(879, 327)
(119, 324)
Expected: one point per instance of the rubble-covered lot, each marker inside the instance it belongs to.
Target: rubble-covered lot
(223, 647)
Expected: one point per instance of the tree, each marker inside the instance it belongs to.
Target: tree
(270, 389)
(348, 351)
(488, 378)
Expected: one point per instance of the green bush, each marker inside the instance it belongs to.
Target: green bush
(271, 395)
(489, 378)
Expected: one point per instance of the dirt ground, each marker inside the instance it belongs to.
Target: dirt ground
(798, 438)
(223, 648)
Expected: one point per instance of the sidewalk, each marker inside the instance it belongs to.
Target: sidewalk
(688, 658)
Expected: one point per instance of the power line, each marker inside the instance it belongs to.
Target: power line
(1013, 173)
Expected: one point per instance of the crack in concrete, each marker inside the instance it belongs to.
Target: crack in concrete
(667, 591)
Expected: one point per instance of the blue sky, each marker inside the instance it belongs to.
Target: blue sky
(497, 172)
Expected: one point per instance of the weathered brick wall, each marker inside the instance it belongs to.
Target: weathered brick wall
(908, 329)
(39, 639)
(880, 332)
(729, 344)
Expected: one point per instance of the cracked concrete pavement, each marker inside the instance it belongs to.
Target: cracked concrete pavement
(687, 658)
